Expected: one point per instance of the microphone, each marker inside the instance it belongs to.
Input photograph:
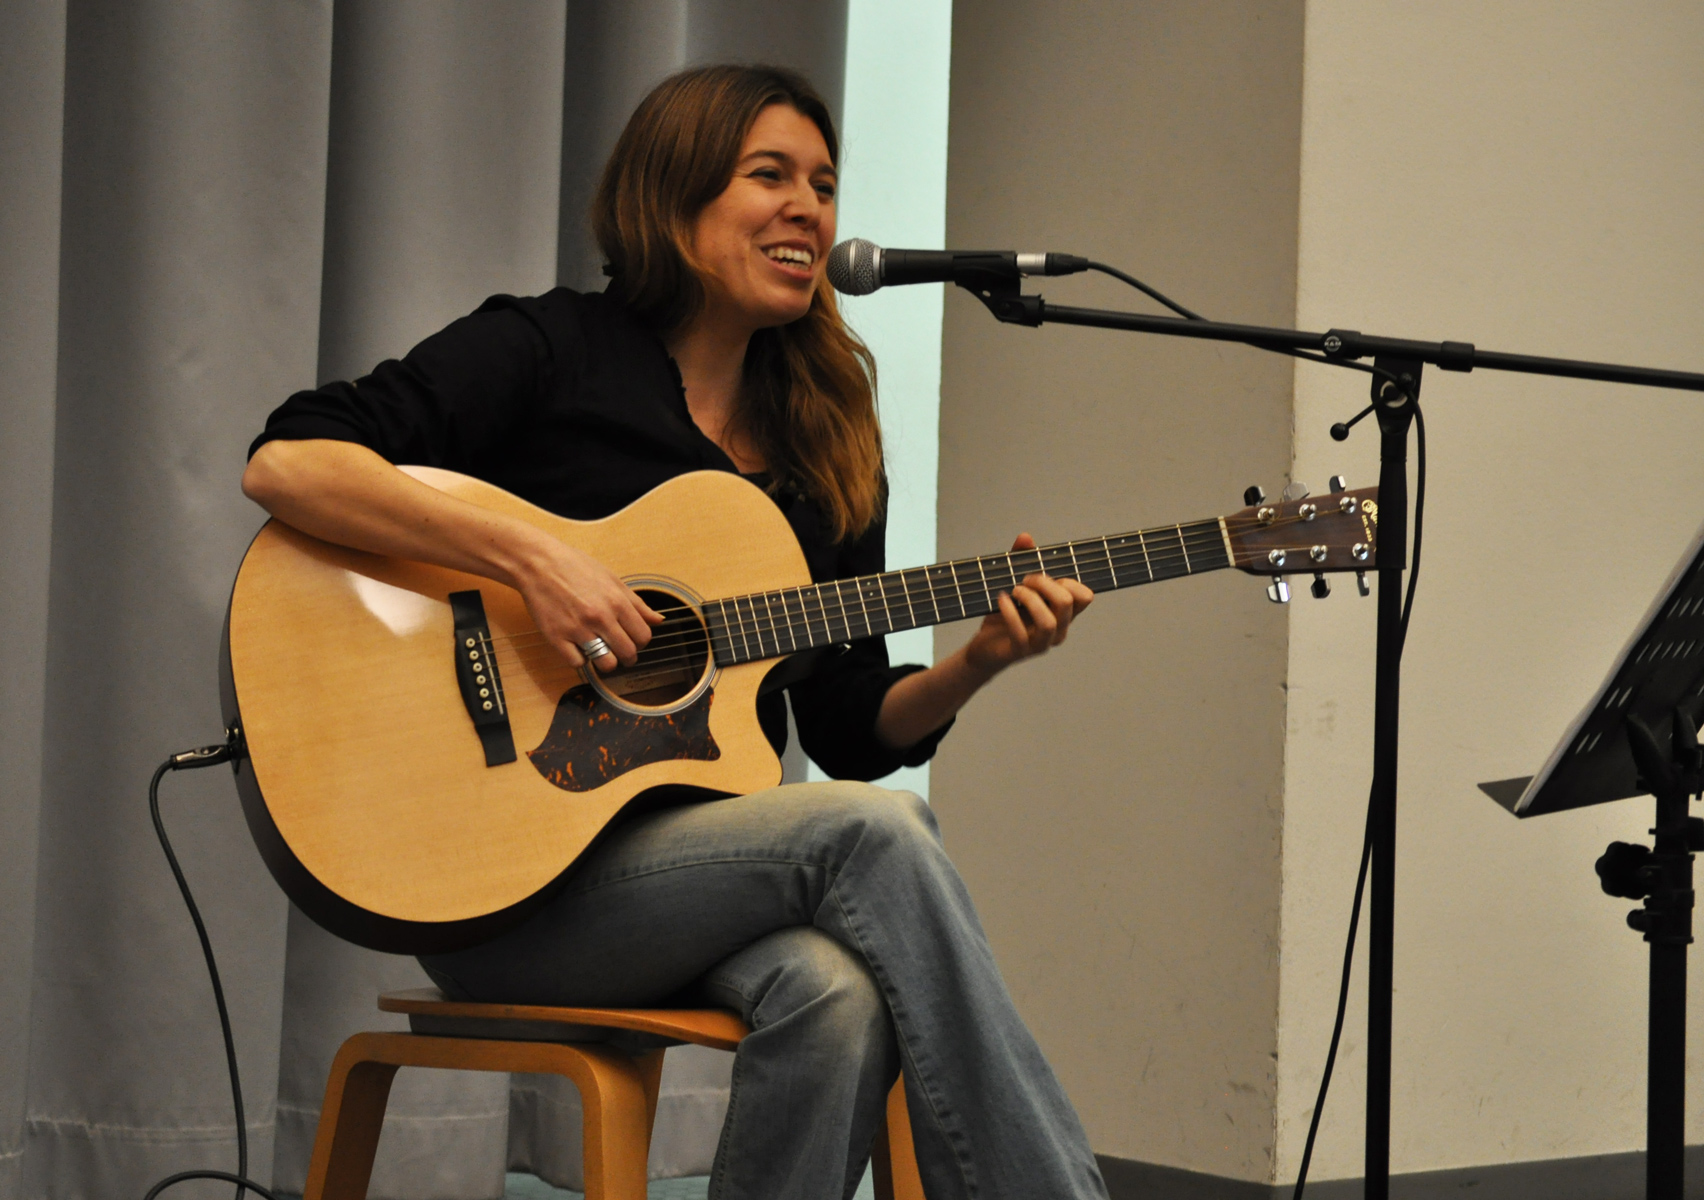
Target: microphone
(858, 267)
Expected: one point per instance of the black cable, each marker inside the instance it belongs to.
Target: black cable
(1402, 641)
(1136, 283)
(206, 756)
(1342, 1004)
(1339, 433)
(181, 1176)
(1367, 840)
(1181, 311)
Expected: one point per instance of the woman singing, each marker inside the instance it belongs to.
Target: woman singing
(826, 914)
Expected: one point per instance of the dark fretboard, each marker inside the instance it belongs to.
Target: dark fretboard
(771, 624)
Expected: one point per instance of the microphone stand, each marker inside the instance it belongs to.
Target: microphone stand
(1395, 405)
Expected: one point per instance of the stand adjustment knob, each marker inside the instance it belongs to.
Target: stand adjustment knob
(1619, 870)
(1278, 591)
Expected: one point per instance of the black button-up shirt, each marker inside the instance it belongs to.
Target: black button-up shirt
(571, 403)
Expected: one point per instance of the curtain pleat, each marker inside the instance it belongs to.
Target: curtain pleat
(203, 207)
(442, 188)
(32, 86)
(193, 178)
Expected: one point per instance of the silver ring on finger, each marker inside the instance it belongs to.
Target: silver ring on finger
(596, 648)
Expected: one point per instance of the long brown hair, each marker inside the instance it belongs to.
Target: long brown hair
(808, 397)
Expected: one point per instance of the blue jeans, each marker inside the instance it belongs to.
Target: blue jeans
(829, 917)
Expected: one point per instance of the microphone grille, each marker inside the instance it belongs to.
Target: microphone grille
(852, 267)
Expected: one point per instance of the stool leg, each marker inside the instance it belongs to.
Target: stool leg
(893, 1160)
(650, 1066)
(350, 1123)
(617, 1099)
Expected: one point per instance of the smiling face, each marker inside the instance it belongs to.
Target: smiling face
(761, 245)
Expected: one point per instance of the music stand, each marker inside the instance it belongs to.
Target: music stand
(1639, 736)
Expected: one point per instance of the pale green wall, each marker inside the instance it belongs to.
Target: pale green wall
(894, 169)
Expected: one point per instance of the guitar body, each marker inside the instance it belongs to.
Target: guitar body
(364, 780)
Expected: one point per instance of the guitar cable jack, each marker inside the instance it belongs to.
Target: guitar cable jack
(189, 760)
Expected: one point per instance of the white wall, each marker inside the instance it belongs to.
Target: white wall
(1530, 177)
(1116, 808)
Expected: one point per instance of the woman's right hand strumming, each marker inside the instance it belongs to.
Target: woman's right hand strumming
(343, 492)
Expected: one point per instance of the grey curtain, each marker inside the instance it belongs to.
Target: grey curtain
(204, 206)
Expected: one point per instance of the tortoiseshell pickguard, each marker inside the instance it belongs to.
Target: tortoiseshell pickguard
(591, 741)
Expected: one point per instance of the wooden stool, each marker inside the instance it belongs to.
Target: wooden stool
(618, 1088)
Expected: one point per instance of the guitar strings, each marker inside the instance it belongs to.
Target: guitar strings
(1060, 551)
(931, 592)
(695, 640)
(755, 622)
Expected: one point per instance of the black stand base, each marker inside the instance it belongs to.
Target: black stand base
(1662, 877)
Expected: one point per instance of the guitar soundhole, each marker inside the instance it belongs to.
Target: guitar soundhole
(675, 664)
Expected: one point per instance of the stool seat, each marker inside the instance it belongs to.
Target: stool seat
(429, 1012)
(613, 1055)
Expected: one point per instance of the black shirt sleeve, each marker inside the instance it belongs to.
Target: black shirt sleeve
(835, 709)
(446, 403)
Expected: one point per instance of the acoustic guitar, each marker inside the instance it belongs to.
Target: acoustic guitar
(419, 767)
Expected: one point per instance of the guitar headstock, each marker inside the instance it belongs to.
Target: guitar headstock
(1334, 532)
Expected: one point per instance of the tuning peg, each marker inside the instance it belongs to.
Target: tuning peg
(1278, 591)
(1295, 490)
(1361, 584)
(1254, 494)
(1320, 588)
(1338, 484)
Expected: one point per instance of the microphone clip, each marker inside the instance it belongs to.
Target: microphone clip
(1004, 297)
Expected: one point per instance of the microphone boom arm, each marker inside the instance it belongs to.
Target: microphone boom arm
(1004, 298)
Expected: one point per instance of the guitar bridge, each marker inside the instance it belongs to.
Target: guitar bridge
(476, 675)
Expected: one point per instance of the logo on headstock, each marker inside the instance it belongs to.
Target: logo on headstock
(1370, 519)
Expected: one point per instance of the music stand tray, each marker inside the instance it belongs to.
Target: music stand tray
(1637, 737)
(1660, 667)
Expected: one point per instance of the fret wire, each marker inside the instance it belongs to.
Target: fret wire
(811, 638)
(805, 612)
(948, 568)
(863, 608)
(745, 648)
(881, 590)
(774, 632)
(1111, 570)
(1181, 546)
(786, 615)
(987, 595)
(779, 599)
(930, 589)
(1146, 561)
(845, 617)
(1076, 571)
(905, 586)
(758, 618)
(747, 618)
(756, 626)
(969, 604)
(719, 630)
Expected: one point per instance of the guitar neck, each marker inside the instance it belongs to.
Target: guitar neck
(771, 624)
